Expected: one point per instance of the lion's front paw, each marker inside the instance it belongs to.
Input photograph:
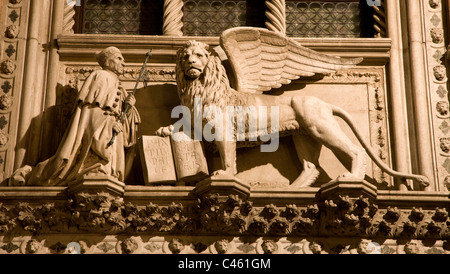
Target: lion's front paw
(222, 172)
(423, 181)
(349, 176)
(164, 131)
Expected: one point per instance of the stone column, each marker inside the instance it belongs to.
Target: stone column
(419, 92)
(401, 159)
(276, 15)
(48, 139)
(29, 76)
(172, 18)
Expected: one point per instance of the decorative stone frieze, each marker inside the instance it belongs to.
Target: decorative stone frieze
(209, 215)
(87, 214)
(165, 74)
(436, 57)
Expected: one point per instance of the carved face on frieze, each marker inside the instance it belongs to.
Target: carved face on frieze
(193, 59)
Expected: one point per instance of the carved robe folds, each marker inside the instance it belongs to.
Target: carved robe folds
(83, 149)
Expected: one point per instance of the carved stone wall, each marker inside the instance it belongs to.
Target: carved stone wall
(437, 66)
(13, 35)
(336, 219)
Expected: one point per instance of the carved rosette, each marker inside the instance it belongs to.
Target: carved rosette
(172, 18)
(276, 15)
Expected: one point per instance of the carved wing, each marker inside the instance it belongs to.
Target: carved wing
(263, 59)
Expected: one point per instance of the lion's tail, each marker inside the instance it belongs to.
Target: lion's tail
(423, 180)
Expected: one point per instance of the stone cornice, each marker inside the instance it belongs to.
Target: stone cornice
(373, 50)
(144, 194)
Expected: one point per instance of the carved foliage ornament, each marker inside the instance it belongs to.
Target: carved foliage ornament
(129, 74)
(104, 214)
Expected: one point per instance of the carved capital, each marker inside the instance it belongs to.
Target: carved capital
(347, 187)
(224, 186)
(96, 184)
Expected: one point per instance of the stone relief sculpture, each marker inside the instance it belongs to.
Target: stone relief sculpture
(84, 149)
(262, 60)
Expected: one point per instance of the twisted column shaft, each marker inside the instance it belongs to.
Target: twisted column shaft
(276, 15)
(172, 18)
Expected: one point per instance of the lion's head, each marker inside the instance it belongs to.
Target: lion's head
(193, 58)
(200, 74)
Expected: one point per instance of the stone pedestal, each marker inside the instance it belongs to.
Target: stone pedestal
(347, 187)
(96, 184)
(224, 186)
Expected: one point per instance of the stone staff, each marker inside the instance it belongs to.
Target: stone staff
(127, 106)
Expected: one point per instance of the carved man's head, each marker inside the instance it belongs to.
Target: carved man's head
(412, 248)
(193, 58)
(176, 246)
(439, 72)
(111, 59)
(33, 246)
(222, 246)
(443, 108)
(269, 247)
(437, 34)
(316, 248)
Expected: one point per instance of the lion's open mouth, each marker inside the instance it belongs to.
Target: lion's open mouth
(193, 72)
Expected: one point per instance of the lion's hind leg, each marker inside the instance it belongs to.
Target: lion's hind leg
(317, 118)
(308, 152)
(227, 152)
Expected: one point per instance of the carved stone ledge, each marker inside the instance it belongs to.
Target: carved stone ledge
(76, 46)
(348, 187)
(224, 186)
(96, 184)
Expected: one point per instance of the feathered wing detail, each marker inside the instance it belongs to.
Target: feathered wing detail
(262, 60)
